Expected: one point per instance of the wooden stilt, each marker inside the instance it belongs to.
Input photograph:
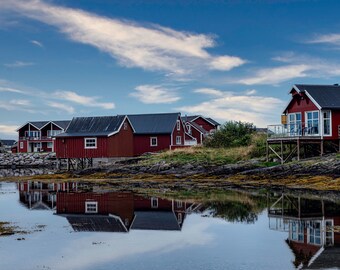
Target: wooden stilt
(321, 148)
(298, 149)
(281, 152)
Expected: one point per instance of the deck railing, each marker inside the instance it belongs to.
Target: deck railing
(35, 138)
(292, 130)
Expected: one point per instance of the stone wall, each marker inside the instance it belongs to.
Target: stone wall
(27, 160)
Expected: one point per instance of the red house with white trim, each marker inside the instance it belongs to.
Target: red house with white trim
(96, 137)
(38, 136)
(156, 132)
(200, 127)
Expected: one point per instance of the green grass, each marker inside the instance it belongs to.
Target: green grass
(211, 156)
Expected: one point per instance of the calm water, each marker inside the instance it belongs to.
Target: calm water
(75, 226)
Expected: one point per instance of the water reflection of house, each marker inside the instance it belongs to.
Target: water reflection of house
(37, 195)
(311, 226)
(106, 212)
(120, 211)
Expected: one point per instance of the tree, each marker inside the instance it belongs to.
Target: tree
(231, 134)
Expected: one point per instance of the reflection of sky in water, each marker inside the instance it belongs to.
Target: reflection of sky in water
(203, 243)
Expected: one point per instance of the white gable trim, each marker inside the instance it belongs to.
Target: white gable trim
(313, 100)
(115, 132)
(200, 116)
(195, 127)
(26, 124)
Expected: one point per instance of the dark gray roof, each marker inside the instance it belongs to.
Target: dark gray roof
(327, 96)
(213, 121)
(199, 128)
(62, 123)
(95, 223)
(157, 123)
(93, 126)
(8, 142)
(328, 259)
(155, 220)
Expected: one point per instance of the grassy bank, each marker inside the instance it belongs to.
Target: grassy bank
(211, 156)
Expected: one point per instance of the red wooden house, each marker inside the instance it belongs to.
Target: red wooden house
(38, 136)
(311, 116)
(310, 225)
(156, 132)
(200, 127)
(96, 137)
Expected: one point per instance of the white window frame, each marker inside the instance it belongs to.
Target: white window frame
(330, 123)
(314, 235)
(125, 126)
(299, 231)
(91, 203)
(21, 145)
(53, 132)
(179, 204)
(180, 218)
(178, 140)
(154, 202)
(153, 138)
(296, 124)
(90, 147)
(178, 125)
(189, 128)
(319, 122)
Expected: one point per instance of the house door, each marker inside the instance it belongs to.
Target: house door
(36, 147)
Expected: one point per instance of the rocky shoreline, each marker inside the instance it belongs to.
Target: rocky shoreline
(26, 160)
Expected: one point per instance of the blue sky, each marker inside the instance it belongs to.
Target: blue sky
(230, 60)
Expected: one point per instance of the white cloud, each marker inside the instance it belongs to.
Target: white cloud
(155, 94)
(250, 92)
(150, 47)
(19, 64)
(37, 43)
(260, 110)
(226, 62)
(61, 106)
(209, 91)
(276, 75)
(83, 100)
(12, 90)
(20, 102)
(327, 38)
(8, 130)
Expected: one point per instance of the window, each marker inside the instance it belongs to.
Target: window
(154, 202)
(52, 133)
(90, 143)
(33, 134)
(50, 145)
(189, 129)
(178, 140)
(294, 124)
(180, 219)
(296, 232)
(179, 204)
(314, 232)
(312, 123)
(125, 126)
(326, 122)
(91, 207)
(21, 145)
(329, 233)
(153, 141)
(178, 125)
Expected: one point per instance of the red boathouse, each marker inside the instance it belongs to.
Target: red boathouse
(96, 137)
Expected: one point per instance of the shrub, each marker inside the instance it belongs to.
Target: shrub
(231, 134)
